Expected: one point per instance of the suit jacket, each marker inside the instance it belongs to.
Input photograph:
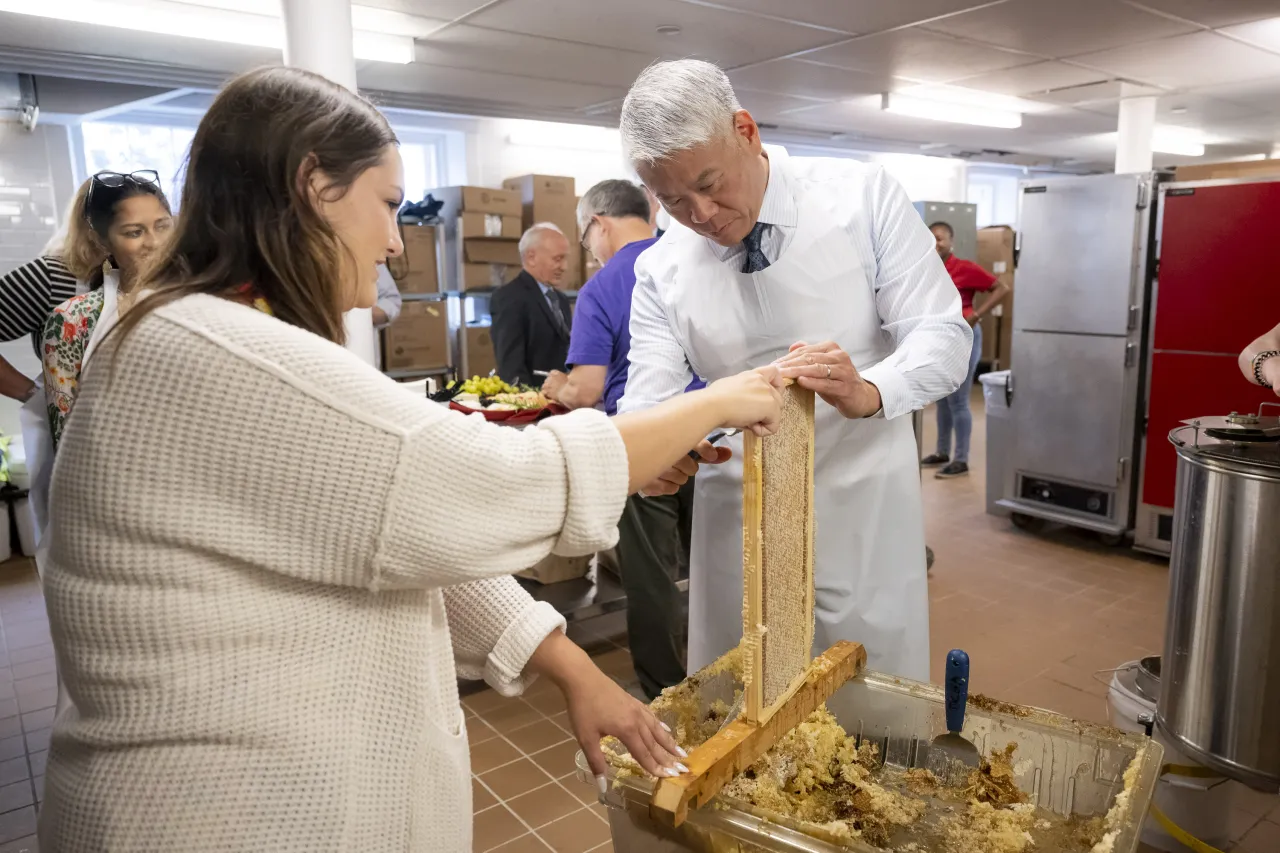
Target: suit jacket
(525, 334)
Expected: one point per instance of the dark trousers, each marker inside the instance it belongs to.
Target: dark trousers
(653, 546)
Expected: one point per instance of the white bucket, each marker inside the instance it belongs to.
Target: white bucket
(25, 516)
(1199, 806)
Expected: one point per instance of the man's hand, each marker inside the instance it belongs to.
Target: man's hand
(828, 371)
(553, 383)
(972, 320)
(677, 475)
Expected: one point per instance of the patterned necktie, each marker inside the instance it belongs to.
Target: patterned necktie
(755, 260)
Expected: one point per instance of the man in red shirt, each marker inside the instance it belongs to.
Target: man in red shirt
(953, 411)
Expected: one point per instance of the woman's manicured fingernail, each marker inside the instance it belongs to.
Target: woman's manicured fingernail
(603, 784)
(680, 752)
(682, 768)
(671, 771)
(665, 726)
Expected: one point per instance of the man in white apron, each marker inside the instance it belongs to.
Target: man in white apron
(767, 252)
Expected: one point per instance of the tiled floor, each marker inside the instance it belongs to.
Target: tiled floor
(1040, 616)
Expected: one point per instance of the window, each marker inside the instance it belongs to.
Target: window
(420, 169)
(131, 147)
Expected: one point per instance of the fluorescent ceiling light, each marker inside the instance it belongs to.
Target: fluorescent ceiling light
(164, 17)
(894, 102)
(976, 98)
(15, 191)
(1177, 140)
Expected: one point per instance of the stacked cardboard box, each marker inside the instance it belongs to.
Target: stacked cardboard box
(1250, 169)
(478, 358)
(551, 198)
(416, 270)
(418, 339)
(995, 255)
(482, 233)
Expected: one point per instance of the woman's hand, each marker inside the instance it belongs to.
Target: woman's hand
(598, 708)
(750, 400)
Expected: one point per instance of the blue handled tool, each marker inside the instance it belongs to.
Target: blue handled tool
(951, 753)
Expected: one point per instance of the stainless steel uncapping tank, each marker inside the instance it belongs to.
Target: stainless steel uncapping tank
(1220, 696)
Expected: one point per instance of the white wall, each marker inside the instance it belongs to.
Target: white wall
(927, 178)
(36, 184)
(506, 148)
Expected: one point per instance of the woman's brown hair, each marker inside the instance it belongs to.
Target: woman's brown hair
(247, 219)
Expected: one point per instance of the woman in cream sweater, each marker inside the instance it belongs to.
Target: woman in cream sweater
(270, 564)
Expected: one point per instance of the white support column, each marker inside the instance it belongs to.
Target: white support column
(317, 37)
(1136, 131)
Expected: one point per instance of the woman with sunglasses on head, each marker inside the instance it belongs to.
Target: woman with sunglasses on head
(270, 563)
(129, 219)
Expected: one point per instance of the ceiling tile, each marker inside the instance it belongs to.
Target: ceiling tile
(1263, 34)
(770, 107)
(917, 55)
(1256, 95)
(465, 46)
(1091, 93)
(724, 37)
(1038, 78)
(1198, 59)
(1212, 13)
(446, 9)
(1188, 109)
(1060, 29)
(806, 79)
(854, 16)
(464, 83)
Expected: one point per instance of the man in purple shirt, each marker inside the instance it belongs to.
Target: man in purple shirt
(654, 532)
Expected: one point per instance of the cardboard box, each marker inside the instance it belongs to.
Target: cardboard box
(459, 200)
(482, 250)
(556, 569)
(416, 271)
(996, 256)
(418, 339)
(477, 350)
(485, 276)
(552, 198)
(473, 224)
(1218, 171)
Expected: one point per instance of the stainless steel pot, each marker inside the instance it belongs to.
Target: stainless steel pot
(1220, 679)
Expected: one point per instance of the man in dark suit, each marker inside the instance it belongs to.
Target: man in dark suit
(531, 317)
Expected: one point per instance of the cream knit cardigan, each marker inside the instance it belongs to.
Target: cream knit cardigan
(269, 566)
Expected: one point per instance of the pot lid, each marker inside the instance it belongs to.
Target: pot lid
(1245, 438)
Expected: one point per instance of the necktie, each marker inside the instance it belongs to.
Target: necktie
(556, 316)
(755, 260)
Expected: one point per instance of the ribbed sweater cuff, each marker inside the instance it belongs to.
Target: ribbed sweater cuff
(597, 469)
(504, 670)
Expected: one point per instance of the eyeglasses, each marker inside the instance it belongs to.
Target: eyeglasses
(116, 180)
(585, 232)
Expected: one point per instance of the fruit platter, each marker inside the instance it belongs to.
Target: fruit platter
(498, 401)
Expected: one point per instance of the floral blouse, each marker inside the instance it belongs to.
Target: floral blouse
(67, 333)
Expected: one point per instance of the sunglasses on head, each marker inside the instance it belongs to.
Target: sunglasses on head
(116, 180)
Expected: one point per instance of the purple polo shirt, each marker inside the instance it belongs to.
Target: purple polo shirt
(602, 322)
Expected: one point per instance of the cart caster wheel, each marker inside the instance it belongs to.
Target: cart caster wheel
(1029, 523)
(1111, 540)
(928, 559)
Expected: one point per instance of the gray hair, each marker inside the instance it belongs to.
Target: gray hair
(614, 198)
(533, 235)
(674, 106)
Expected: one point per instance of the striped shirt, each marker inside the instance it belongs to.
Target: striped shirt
(28, 296)
(918, 306)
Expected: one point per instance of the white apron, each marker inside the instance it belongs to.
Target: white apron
(869, 554)
(37, 438)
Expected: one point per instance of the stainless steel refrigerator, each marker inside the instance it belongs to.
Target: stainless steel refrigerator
(1084, 274)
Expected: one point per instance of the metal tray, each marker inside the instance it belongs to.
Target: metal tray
(1067, 767)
